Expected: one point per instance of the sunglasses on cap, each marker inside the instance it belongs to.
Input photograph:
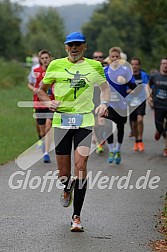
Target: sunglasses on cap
(76, 43)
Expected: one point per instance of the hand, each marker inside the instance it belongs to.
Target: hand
(150, 101)
(53, 105)
(35, 90)
(102, 110)
(121, 80)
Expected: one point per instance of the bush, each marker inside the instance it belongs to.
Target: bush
(12, 74)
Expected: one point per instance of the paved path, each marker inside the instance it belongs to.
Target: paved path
(116, 220)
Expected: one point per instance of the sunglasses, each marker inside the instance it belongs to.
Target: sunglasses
(77, 43)
(98, 57)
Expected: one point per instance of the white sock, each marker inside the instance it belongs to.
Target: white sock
(118, 147)
(111, 147)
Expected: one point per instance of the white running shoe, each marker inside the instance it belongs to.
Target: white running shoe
(76, 224)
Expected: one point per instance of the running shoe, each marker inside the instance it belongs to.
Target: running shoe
(66, 196)
(76, 224)
(117, 158)
(135, 147)
(141, 146)
(157, 135)
(46, 158)
(165, 152)
(100, 149)
(111, 157)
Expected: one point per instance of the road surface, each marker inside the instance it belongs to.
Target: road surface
(119, 217)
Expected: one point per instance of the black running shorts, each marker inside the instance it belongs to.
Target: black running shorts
(64, 138)
(140, 110)
(47, 115)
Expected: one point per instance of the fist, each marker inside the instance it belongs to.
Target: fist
(121, 79)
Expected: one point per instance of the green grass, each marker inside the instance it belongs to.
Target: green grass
(17, 126)
(12, 74)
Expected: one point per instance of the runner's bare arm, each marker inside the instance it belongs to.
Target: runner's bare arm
(105, 95)
(105, 92)
(44, 97)
(32, 88)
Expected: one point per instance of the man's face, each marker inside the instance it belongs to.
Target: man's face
(75, 50)
(45, 59)
(136, 66)
(98, 56)
(163, 66)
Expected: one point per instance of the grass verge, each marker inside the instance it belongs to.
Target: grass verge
(17, 127)
(161, 245)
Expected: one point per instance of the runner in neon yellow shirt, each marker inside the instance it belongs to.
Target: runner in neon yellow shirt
(74, 87)
(74, 78)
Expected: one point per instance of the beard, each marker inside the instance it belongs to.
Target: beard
(76, 58)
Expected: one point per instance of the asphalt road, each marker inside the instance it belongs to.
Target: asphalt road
(115, 219)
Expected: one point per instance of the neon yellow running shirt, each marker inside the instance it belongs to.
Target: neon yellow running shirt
(74, 87)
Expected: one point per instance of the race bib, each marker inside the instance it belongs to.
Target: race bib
(162, 94)
(71, 121)
(114, 97)
(135, 102)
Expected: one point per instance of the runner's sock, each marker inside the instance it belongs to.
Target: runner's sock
(118, 147)
(111, 147)
(79, 195)
(66, 184)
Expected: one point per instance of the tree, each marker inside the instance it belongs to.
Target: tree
(114, 26)
(137, 26)
(10, 35)
(153, 29)
(45, 31)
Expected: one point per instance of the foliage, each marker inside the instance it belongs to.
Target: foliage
(113, 27)
(45, 31)
(10, 34)
(153, 20)
(12, 74)
(17, 125)
(138, 27)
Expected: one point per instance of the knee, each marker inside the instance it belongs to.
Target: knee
(80, 167)
(63, 174)
(140, 119)
(42, 134)
(47, 128)
(80, 170)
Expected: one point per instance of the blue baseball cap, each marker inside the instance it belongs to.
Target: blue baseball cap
(75, 36)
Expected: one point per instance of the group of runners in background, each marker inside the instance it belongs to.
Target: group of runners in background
(157, 100)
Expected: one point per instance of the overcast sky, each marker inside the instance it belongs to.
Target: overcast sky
(57, 2)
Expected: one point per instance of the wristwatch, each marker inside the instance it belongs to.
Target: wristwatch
(104, 102)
